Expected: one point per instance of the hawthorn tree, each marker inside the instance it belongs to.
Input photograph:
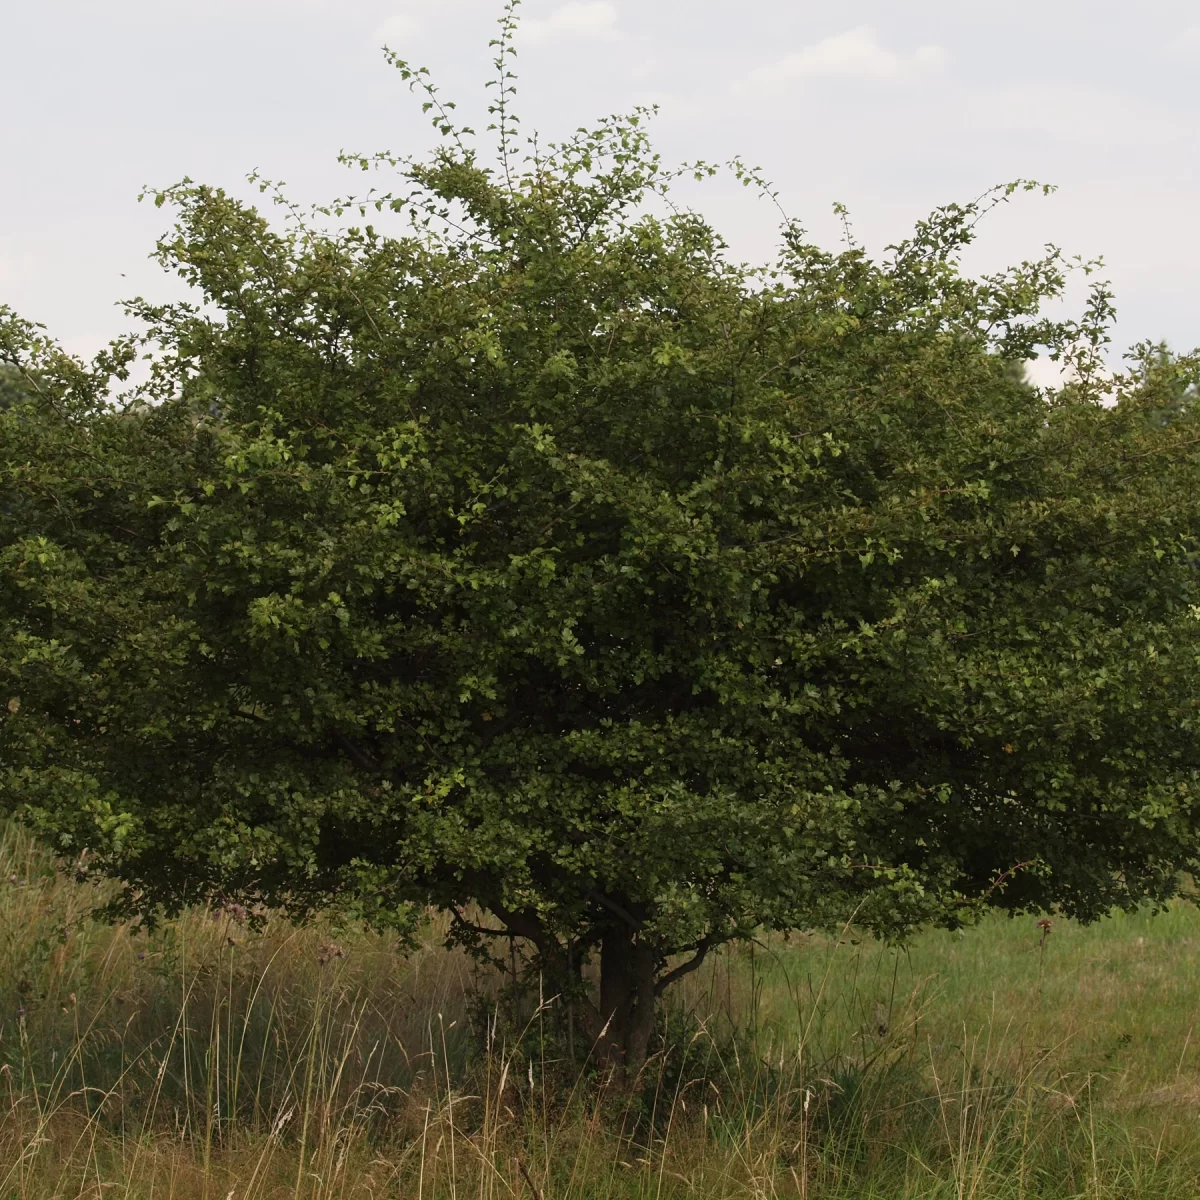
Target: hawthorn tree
(536, 561)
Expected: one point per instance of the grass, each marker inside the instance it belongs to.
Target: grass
(206, 1061)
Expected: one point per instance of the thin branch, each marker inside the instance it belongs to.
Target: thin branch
(1006, 875)
(1179, 445)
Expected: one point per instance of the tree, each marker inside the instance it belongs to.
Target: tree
(536, 561)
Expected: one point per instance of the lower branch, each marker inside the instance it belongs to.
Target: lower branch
(701, 948)
(462, 923)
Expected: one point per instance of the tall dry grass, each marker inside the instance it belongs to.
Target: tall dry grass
(206, 1061)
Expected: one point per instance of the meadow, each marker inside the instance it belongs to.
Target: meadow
(205, 1059)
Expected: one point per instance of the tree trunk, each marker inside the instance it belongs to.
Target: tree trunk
(626, 1009)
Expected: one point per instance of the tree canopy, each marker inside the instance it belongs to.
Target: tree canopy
(13, 387)
(535, 560)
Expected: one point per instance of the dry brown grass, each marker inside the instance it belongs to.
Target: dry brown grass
(210, 1062)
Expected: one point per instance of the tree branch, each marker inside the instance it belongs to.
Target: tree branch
(359, 757)
(463, 923)
(523, 925)
(614, 907)
(701, 948)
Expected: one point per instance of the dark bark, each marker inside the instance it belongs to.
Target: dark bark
(620, 1023)
(628, 968)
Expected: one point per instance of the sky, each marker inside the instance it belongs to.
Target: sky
(888, 108)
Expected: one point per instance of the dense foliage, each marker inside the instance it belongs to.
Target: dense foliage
(537, 561)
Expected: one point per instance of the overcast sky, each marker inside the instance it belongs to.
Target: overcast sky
(891, 108)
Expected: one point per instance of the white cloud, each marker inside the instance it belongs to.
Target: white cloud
(579, 18)
(1186, 45)
(396, 30)
(855, 54)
